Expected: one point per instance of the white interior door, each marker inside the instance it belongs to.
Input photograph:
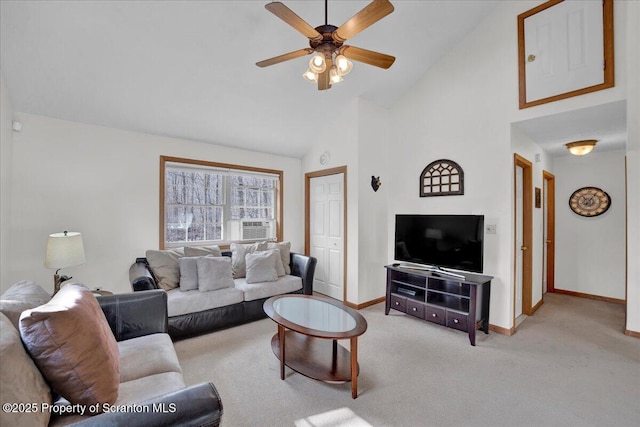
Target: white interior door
(519, 240)
(327, 234)
(564, 50)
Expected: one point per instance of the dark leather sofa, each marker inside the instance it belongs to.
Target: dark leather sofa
(191, 324)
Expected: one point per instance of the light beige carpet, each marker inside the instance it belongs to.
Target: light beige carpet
(568, 365)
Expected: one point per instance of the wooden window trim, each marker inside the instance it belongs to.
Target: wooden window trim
(169, 159)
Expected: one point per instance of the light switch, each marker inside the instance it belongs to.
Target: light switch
(490, 229)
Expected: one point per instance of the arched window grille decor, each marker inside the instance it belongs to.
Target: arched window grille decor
(442, 178)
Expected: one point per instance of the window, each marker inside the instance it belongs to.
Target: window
(214, 203)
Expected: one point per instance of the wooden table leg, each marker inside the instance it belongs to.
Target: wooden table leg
(281, 339)
(354, 367)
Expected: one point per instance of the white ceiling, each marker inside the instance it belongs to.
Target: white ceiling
(187, 69)
(606, 123)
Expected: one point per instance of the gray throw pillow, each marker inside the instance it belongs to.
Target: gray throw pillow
(277, 260)
(202, 251)
(261, 267)
(238, 253)
(214, 273)
(164, 266)
(285, 254)
(188, 273)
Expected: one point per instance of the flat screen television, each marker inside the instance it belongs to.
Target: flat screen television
(447, 241)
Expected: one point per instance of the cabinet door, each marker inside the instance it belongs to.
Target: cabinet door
(457, 320)
(398, 303)
(415, 308)
(435, 314)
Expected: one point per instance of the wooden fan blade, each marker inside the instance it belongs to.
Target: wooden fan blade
(367, 56)
(324, 80)
(287, 56)
(288, 16)
(372, 13)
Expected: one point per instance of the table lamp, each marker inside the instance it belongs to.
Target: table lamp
(63, 250)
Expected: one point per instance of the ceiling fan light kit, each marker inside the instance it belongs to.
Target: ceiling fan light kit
(580, 148)
(331, 59)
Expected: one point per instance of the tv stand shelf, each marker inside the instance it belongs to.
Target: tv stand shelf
(455, 302)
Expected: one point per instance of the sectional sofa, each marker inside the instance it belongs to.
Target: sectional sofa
(196, 311)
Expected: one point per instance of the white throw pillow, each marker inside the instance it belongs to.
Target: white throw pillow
(238, 254)
(214, 273)
(261, 267)
(285, 254)
(188, 273)
(202, 251)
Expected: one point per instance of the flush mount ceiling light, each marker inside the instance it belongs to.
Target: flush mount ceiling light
(580, 148)
(332, 58)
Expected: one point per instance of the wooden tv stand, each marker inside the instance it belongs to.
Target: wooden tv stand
(459, 303)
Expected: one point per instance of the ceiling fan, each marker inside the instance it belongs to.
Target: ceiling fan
(331, 59)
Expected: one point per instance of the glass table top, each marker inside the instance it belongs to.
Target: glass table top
(314, 314)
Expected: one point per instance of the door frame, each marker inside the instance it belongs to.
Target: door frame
(550, 180)
(307, 216)
(527, 233)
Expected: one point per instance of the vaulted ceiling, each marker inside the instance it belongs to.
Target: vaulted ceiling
(186, 69)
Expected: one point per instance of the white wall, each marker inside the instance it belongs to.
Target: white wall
(463, 109)
(633, 169)
(374, 143)
(525, 147)
(105, 183)
(6, 148)
(590, 252)
(339, 133)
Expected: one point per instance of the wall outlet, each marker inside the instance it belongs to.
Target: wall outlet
(490, 229)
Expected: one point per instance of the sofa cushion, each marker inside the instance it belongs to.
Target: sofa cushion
(214, 273)
(285, 253)
(261, 267)
(20, 380)
(130, 392)
(179, 303)
(202, 251)
(188, 273)
(22, 296)
(238, 253)
(254, 291)
(147, 355)
(71, 342)
(164, 266)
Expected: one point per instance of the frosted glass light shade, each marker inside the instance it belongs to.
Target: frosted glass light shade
(344, 65)
(334, 76)
(580, 148)
(64, 250)
(317, 64)
(310, 75)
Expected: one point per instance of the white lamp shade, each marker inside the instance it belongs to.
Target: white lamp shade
(64, 250)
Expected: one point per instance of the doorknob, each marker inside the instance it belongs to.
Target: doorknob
(547, 241)
(523, 248)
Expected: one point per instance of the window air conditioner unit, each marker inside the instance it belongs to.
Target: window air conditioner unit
(255, 230)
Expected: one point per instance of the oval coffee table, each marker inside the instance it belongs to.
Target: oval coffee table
(308, 330)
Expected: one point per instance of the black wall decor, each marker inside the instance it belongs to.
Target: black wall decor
(442, 178)
(375, 183)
